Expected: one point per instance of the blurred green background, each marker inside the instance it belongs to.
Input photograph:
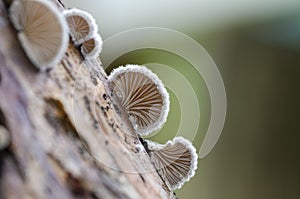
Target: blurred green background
(256, 46)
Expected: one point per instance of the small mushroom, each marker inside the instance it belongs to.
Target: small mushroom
(176, 161)
(91, 48)
(4, 137)
(82, 25)
(142, 95)
(42, 31)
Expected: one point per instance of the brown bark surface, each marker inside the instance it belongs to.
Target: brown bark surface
(68, 137)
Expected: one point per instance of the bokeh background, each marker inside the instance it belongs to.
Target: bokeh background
(256, 46)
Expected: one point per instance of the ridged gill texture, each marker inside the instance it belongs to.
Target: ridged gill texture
(92, 47)
(79, 28)
(143, 97)
(42, 31)
(82, 25)
(176, 161)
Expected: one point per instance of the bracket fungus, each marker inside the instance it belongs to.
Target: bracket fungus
(142, 95)
(176, 161)
(82, 25)
(42, 31)
(84, 32)
(92, 47)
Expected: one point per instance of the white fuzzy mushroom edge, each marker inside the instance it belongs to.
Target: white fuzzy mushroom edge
(160, 86)
(89, 19)
(64, 26)
(97, 49)
(154, 146)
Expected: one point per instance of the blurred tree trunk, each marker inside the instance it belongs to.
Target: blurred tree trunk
(68, 139)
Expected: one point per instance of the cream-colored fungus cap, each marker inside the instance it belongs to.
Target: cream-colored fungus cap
(82, 25)
(176, 161)
(42, 31)
(142, 95)
(91, 48)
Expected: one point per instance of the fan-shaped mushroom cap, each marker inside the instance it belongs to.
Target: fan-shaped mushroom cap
(176, 161)
(92, 47)
(142, 95)
(42, 31)
(82, 25)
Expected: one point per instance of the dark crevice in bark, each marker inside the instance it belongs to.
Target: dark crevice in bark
(2, 119)
(57, 117)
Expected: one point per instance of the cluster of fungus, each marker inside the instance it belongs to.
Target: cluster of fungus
(84, 32)
(146, 101)
(43, 32)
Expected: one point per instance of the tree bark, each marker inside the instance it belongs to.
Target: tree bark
(68, 138)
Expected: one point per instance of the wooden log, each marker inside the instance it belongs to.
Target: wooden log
(69, 138)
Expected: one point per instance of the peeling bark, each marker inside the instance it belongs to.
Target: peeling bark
(69, 139)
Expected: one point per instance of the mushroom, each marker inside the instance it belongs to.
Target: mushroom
(4, 137)
(42, 31)
(92, 47)
(176, 161)
(142, 95)
(82, 25)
